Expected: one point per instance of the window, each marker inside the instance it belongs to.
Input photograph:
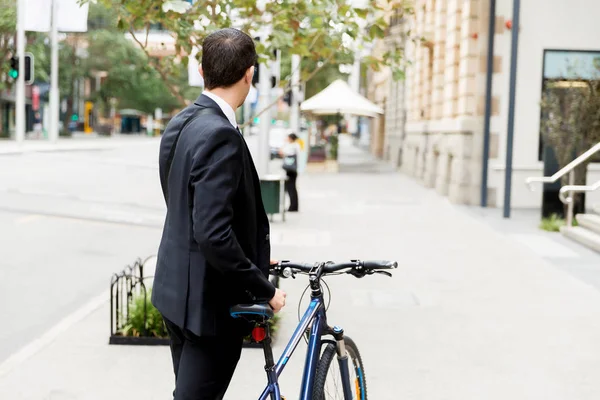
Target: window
(567, 69)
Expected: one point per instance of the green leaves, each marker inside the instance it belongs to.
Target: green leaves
(361, 12)
(372, 62)
(375, 31)
(398, 74)
(8, 20)
(323, 30)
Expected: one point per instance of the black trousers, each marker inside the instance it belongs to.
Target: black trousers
(203, 366)
(290, 188)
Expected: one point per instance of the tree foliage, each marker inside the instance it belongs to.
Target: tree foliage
(8, 18)
(130, 80)
(321, 32)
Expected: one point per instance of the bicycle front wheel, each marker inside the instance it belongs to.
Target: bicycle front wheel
(328, 380)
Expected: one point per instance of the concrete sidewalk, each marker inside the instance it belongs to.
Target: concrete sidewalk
(470, 313)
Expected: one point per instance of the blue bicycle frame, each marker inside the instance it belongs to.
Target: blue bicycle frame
(315, 315)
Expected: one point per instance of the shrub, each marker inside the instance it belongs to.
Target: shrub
(154, 327)
(553, 223)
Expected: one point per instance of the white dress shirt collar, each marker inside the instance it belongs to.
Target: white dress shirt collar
(225, 107)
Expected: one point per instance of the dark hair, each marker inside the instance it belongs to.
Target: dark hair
(293, 136)
(226, 56)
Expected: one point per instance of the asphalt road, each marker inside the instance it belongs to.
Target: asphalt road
(68, 220)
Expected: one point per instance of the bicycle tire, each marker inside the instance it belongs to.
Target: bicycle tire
(355, 362)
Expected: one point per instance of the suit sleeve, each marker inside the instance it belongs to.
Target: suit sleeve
(216, 173)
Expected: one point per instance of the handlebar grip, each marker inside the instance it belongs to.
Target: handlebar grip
(380, 264)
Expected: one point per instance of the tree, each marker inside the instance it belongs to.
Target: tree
(129, 79)
(8, 18)
(321, 32)
(571, 121)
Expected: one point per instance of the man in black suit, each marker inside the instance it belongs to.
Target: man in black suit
(215, 249)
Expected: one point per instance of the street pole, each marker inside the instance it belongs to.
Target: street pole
(510, 131)
(354, 85)
(20, 89)
(488, 104)
(54, 96)
(264, 98)
(295, 105)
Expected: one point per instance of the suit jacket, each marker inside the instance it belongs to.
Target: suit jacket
(215, 250)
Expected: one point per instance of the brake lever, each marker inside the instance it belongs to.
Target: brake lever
(384, 273)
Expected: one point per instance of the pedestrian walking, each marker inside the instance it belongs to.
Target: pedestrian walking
(290, 153)
(215, 249)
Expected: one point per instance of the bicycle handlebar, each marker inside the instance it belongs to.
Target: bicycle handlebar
(357, 268)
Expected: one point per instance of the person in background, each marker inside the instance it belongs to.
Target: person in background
(290, 153)
(37, 125)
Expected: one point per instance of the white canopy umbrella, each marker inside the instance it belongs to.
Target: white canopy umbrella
(339, 98)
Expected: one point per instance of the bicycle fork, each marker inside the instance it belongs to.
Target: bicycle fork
(342, 356)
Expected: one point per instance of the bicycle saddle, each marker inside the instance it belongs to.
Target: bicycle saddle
(252, 311)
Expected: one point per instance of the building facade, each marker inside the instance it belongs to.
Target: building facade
(440, 142)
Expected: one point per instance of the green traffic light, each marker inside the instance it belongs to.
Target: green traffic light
(13, 73)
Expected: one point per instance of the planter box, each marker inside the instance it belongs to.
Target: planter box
(138, 341)
(154, 341)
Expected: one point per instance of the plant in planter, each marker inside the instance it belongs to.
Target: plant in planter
(133, 318)
(144, 319)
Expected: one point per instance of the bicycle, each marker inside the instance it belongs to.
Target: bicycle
(313, 324)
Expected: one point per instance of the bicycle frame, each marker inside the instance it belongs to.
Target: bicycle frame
(315, 317)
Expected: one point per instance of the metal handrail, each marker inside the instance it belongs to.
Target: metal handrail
(569, 189)
(568, 168)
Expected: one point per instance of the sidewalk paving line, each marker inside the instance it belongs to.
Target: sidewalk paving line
(47, 338)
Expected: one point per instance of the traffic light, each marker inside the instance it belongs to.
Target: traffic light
(29, 69)
(13, 71)
(256, 77)
(287, 97)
